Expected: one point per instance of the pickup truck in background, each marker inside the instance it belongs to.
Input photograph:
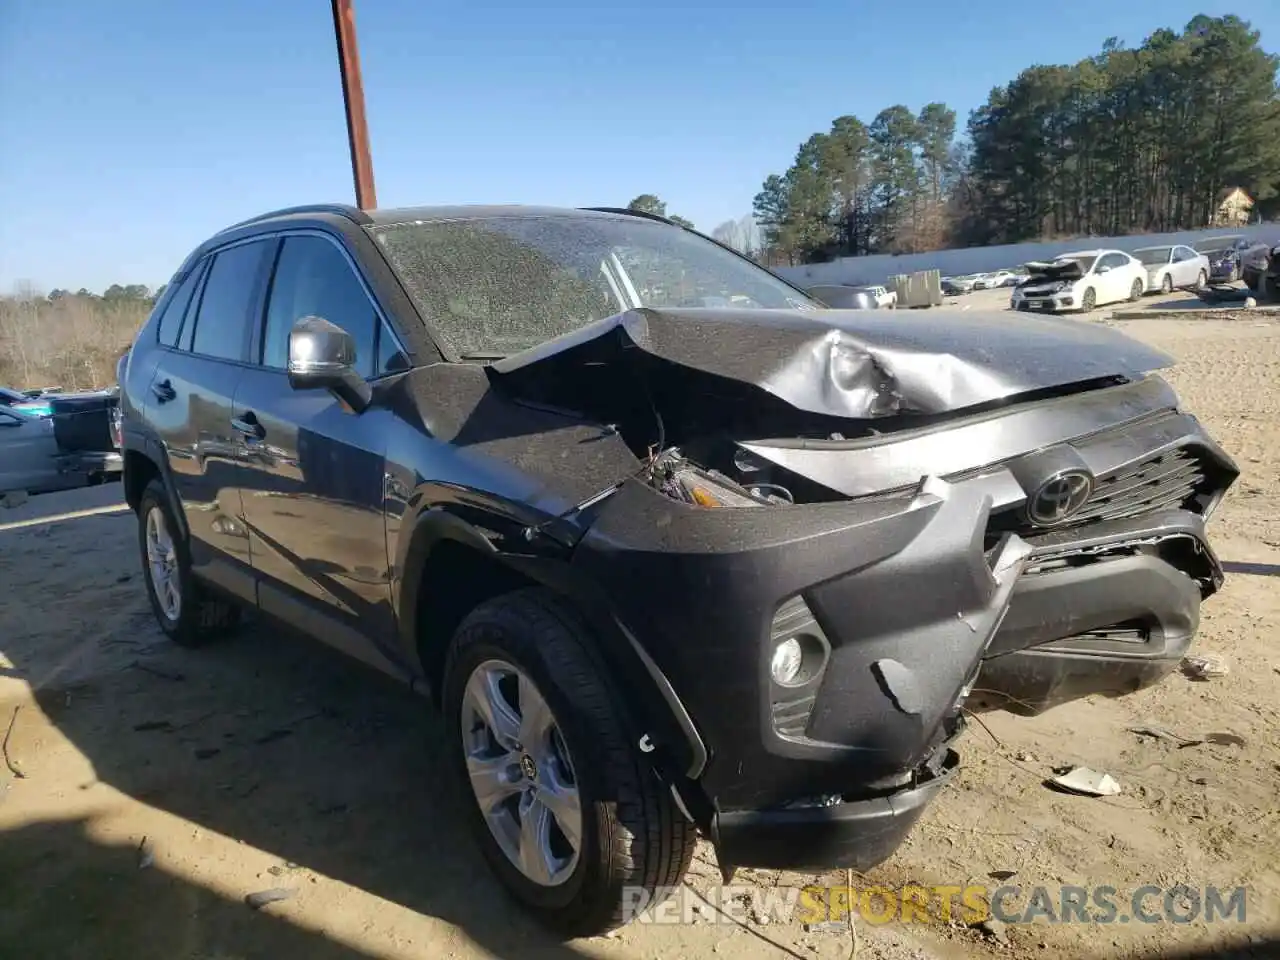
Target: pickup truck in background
(58, 441)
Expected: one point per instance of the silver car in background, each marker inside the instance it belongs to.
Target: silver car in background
(1173, 266)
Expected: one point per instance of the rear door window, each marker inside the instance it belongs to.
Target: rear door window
(225, 317)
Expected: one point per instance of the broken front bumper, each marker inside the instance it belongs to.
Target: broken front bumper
(1106, 611)
(894, 601)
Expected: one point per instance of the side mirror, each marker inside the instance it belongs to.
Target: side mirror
(322, 356)
(1104, 269)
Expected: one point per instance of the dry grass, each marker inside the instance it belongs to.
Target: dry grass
(72, 342)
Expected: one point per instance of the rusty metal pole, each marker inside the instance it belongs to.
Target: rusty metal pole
(344, 28)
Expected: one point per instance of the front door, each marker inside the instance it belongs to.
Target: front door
(189, 404)
(313, 469)
(1114, 282)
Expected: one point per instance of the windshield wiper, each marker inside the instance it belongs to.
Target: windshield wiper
(483, 356)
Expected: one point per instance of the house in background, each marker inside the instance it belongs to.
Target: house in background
(1234, 208)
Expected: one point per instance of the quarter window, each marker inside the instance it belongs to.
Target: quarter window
(224, 319)
(176, 309)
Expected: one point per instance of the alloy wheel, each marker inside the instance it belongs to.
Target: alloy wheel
(1166, 285)
(162, 565)
(521, 773)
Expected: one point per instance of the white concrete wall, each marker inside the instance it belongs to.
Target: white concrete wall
(952, 263)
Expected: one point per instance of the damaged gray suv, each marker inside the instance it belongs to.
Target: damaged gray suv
(675, 550)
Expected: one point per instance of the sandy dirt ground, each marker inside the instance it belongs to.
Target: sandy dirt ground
(149, 789)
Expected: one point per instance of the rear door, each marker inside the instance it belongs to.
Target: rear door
(204, 350)
(314, 470)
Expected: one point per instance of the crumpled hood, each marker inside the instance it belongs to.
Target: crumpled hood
(1041, 271)
(854, 363)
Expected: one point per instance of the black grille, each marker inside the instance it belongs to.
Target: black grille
(1171, 480)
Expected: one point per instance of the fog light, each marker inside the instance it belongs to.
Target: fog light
(788, 658)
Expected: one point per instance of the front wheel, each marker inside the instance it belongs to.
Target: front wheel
(1089, 300)
(1136, 291)
(1202, 280)
(186, 614)
(1166, 284)
(564, 807)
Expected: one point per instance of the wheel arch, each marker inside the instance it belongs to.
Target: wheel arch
(143, 460)
(449, 557)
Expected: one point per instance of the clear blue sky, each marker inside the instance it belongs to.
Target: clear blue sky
(134, 129)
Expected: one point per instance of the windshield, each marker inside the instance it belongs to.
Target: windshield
(493, 286)
(1219, 246)
(1155, 255)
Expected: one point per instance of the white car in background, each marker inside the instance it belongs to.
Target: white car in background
(1173, 267)
(993, 281)
(885, 298)
(1081, 281)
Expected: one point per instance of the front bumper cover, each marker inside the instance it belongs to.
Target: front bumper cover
(905, 595)
(915, 614)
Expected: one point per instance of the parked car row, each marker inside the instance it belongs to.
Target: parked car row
(840, 296)
(954, 286)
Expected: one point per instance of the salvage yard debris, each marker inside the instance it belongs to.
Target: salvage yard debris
(1087, 782)
(1205, 666)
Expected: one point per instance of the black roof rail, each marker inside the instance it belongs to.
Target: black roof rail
(627, 211)
(354, 214)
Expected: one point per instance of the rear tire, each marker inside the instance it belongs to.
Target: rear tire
(630, 831)
(1202, 280)
(183, 609)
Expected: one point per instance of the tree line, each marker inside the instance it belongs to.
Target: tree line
(1126, 141)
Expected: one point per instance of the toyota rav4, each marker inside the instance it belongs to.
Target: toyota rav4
(675, 550)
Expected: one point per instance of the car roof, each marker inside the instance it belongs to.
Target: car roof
(420, 214)
(1084, 253)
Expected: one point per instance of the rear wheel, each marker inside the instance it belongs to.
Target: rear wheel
(1136, 291)
(565, 809)
(186, 614)
(1089, 300)
(1202, 280)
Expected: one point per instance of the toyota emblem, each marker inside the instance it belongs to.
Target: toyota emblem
(1059, 497)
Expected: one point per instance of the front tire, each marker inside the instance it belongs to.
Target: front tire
(1166, 284)
(1089, 300)
(185, 612)
(535, 733)
(1136, 291)
(1202, 280)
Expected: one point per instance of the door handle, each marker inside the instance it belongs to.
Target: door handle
(163, 391)
(249, 426)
